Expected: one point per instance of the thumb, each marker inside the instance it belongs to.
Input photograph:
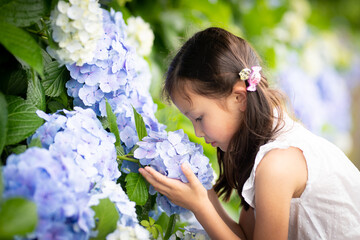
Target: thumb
(189, 174)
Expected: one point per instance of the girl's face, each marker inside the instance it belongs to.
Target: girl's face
(216, 120)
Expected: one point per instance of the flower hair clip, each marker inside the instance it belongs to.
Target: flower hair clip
(253, 77)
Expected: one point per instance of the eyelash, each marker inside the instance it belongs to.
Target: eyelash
(198, 119)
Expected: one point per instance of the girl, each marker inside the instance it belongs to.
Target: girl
(293, 184)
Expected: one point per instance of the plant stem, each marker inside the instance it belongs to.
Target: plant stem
(171, 226)
(39, 33)
(125, 157)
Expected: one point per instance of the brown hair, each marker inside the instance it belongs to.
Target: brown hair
(211, 61)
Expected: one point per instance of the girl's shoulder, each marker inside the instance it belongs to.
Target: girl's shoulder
(280, 166)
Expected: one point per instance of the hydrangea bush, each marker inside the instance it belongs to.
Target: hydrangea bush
(80, 165)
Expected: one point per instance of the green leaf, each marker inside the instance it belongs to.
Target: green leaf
(64, 100)
(35, 142)
(153, 228)
(1, 187)
(136, 188)
(35, 92)
(18, 149)
(106, 216)
(143, 211)
(47, 59)
(153, 231)
(3, 121)
(151, 221)
(140, 125)
(18, 216)
(54, 106)
(55, 78)
(120, 150)
(22, 120)
(17, 82)
(114, 128)
(22, 13)
(159, 228)
(21, 45)
(170, 227)
(3, 2)
(145, 223)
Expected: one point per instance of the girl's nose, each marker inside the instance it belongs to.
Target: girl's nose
(198, 132)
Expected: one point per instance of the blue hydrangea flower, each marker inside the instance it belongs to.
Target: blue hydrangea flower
(108, 71)
(325, 94)
(166, 152)
(58, 188)
(79, 135)
(119, 75)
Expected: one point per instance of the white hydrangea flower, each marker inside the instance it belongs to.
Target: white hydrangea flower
(129, 233)
(77, 26)
(140, 35)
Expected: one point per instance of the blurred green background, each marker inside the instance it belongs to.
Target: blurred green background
(321, 35)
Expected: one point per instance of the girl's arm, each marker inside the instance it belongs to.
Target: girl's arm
(234, 226)
(194, 197)
(280, 176)
(247, 222)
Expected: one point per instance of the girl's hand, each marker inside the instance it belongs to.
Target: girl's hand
(189, 195)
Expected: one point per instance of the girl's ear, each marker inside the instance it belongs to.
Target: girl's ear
(239, 93)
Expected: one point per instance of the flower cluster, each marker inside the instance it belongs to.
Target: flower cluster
(76, 28)
(59, 189)
(109, 71)
(135, 233)
(79, 135)
(166, 152)
(327, 95)
(140, 35)
(117, 74)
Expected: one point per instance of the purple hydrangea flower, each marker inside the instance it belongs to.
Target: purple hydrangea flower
(58, 188)
(166, 152)
(108, 71)
(119, 75)
(79, 135)
(325, 94)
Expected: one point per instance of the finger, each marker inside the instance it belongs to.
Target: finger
(189, 174)
(157, 176)
(159, 186)
(148, 176)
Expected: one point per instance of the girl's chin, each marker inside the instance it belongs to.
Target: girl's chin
(222, 149)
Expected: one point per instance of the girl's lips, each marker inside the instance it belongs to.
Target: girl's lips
(212, 143)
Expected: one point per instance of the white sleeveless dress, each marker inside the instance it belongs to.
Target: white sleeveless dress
(329, 207)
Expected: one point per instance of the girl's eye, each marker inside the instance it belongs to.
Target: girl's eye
(198, 119)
